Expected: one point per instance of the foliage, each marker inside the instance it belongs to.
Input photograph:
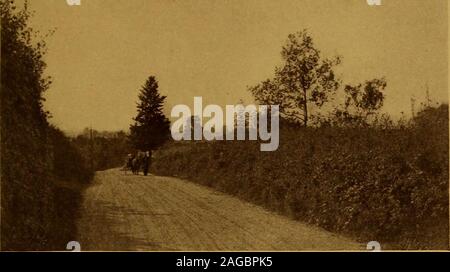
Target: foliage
(37, 213)
(367, 100)
(102, 150)
(69, 164)
(305, 78)
(361, 102)
(384, 184)
(151, 127)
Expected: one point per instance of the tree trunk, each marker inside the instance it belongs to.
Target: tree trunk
(305, 109)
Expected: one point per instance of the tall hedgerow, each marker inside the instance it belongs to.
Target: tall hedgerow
(36, 213)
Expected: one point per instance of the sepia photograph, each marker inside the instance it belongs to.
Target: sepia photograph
(224, 126)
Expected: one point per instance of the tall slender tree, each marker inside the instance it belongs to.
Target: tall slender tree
(151, 127)
(304, 79)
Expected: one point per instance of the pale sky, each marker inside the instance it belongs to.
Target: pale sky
(103, 50)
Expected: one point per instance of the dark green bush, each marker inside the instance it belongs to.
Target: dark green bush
(37, 211)
(388, 185)
(102, 150)
(68, 163)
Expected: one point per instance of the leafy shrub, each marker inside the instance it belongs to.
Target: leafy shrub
(68, 163)
(102, 150)
(37, 213)
(388, 185)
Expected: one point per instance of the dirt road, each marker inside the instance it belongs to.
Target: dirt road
(127, 212)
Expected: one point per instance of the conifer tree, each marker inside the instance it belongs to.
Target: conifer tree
(151, 127)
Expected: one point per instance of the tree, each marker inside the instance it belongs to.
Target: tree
(36, 214)
(368, 99)
(305, 78)
(362, 101)
(26, 189)
(151, 127)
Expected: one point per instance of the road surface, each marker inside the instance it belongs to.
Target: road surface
(126, 212)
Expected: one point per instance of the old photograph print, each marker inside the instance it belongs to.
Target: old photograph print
(224, 125)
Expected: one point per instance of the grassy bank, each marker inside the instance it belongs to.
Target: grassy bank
(388, 185)
(40, 199)
(38, 212)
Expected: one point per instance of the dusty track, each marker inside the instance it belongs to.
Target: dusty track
(127, 212)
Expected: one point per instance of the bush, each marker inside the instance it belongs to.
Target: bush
(37, 212)
(388, 185)
(68, 163)
(102, 150)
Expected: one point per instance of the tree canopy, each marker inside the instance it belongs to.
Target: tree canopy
(151, 127)
(304, 79)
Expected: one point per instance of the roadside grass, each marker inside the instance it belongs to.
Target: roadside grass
(388, 185)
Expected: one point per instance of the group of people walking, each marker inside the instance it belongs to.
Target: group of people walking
(138, 161)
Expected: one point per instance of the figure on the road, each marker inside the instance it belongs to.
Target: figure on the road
(136, 163)
(130, 158)
(146, 162)
(128, 163)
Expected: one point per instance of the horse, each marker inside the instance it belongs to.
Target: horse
(128, 164)
(137, 162)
